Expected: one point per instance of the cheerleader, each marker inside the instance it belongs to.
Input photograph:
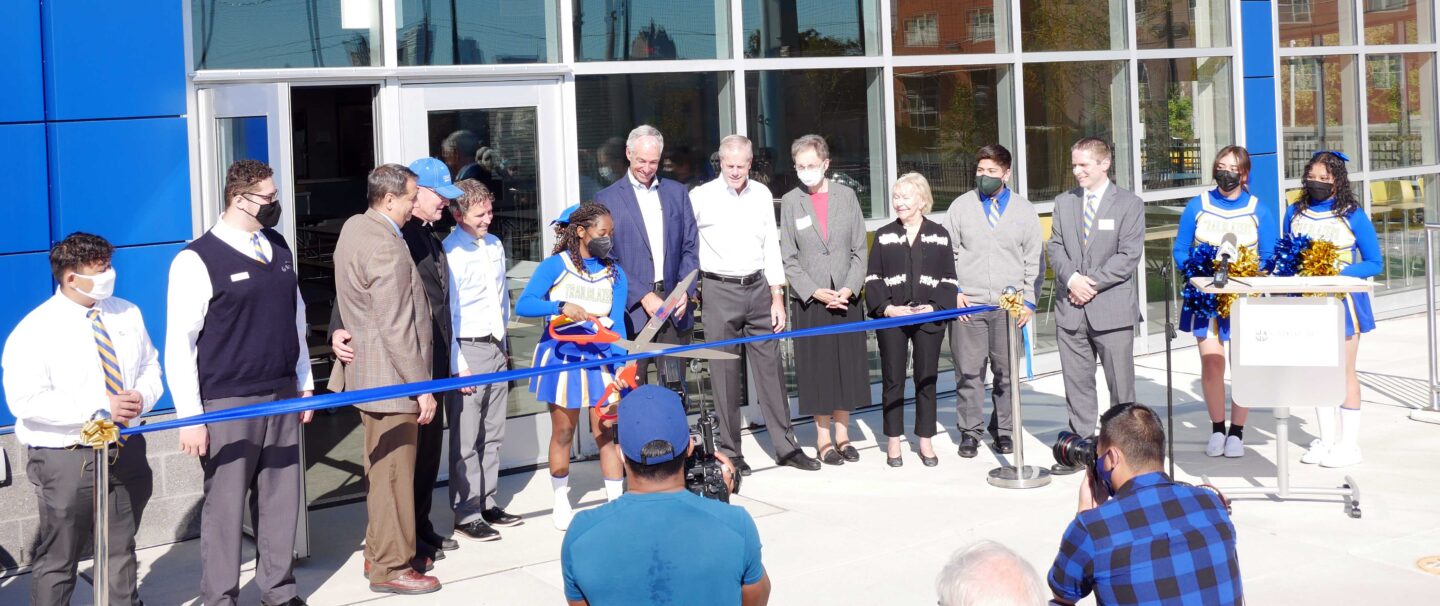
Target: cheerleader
(1328, 210)
(582, 283)
(1230, 208)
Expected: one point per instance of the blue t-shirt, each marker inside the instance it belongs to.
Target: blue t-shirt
(661, 548)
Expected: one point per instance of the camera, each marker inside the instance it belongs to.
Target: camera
(704, 472)
(1072, 450)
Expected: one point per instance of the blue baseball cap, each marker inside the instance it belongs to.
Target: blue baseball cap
(432, 173)
(652, 413)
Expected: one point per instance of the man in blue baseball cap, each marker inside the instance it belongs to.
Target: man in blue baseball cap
(660, 543)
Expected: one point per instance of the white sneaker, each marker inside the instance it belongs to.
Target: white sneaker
(1317, 452)
(1342, 456)
(1216, 447)
(1234, 447)
(562, 512)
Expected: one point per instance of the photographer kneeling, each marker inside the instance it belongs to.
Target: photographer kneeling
(1140, 537)
(660, 543)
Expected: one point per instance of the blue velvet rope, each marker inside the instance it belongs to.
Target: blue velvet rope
(348, 398)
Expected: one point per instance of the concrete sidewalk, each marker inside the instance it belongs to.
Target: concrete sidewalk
(864, 533)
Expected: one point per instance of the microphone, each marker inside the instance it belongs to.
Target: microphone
(1228, 250)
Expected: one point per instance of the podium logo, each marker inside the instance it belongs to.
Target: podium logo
(1262, 336)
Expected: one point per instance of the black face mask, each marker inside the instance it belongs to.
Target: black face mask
(1319, 191)
(1227, 180)
(600, 247)
(988, 185)
(268, 215)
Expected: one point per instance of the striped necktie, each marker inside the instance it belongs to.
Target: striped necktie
(993, 212)
(108, 361)
(1089, 215)
(259, 252)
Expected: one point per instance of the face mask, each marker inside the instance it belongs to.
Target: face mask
(1104, 474)
(1318, 191)
(607, 173)
(988, 185)
(600, 247)
(268, 215)
(811, 178)
(102, 285)
(1227, 180)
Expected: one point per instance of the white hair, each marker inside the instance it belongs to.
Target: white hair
(737, 143)
(989, 574)
(642, 131)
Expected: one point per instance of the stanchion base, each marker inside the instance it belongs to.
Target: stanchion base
(1425, 416)
(1028, 476)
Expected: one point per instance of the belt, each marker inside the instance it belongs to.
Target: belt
(741, 280)
(485, 339)
(658, 286)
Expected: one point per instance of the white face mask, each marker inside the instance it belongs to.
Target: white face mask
(102, 285)
(811, 178)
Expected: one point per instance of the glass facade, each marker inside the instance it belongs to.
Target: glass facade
(1072, 25)
(467, 32)
(1065, 102)
(1319, 108)
(943, 115)
(296, 33)
(1185, 118)
(1315, 22)
(943, 27)
(808, 28)
(639, 30)
(1181, 23)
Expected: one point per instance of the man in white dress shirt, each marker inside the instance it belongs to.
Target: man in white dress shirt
(743, 285)
(479, 312)
(80, 352)
(235, 337)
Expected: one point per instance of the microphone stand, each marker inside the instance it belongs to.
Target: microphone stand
(1168, 272)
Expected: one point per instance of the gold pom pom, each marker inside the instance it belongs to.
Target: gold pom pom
(1247, 265)
(1321, 258)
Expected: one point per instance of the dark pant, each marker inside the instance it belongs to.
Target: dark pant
(260, 457)
(731, 311)
(669, 370)
(973, 343)
(429, 447)
(390, 440)
(926, 359)
(64, 480)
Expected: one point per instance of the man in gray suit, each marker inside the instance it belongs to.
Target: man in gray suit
(1094, 250)
(379, 290)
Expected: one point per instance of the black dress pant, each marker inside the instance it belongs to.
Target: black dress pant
(428, 451)
(925, 347)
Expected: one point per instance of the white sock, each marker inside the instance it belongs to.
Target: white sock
(614, 488)
(561, 513)
(560, 483)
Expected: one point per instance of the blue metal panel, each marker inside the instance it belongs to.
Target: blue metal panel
(22, 153)
(1260, 114)
(28, 284)
(114, 59)
(20, 74)
(1257, 38)
(141, 276)
(1265, 181)
(153, 205)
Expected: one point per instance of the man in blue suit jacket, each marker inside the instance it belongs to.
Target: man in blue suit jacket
(656, 241)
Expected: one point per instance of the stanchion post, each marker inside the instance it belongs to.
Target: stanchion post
(100, 574)
(1430, 411)
(1018, 475)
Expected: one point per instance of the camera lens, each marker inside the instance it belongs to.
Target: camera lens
(1071, 450)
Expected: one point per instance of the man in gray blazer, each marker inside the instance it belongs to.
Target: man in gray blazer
(1094, 250)
(379, 291)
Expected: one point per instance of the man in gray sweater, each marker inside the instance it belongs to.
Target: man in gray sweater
(996, 237)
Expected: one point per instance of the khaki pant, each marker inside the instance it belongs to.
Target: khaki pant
(390, 440)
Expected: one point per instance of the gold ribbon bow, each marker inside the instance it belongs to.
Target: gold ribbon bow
(1012, 302)
(98, 432)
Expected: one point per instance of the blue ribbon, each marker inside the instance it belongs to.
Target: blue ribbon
(336, 400)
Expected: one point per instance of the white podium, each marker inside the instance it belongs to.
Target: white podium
(1289, 351)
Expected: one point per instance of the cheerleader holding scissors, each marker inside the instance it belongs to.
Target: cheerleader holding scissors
(1328, 210)
(580, 282)
(1230, 208)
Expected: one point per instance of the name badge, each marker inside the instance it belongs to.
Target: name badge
(1107, 224)
(244, 275)
(803, 222)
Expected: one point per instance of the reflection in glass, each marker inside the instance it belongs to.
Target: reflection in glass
(1181, 23)
(943, 115)
(1316, 22)
(783, 105)
(1042, 328)
(1318, 109)
(1065, 102)
(807, 28)
(631, 30)
(1397, 207)
(428, 34)
(1162, 221)
(285, 33)
(240, 139)
(1400, 95)
(1399, 22)
(1071, 25)
(1186, 116)
(935, 27)
(687, 108)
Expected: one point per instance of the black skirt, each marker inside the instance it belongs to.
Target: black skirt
(832, 372)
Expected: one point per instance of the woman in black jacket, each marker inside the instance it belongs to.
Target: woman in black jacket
(912, 271)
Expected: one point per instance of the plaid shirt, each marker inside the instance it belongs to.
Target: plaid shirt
(1155, 542)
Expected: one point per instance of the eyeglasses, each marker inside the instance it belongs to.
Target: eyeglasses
(799, 167)
(259, 199)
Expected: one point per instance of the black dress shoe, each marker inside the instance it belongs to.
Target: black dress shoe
(498, 517)
(969, 446)
(439, 543)
(1064, 470)
(1004, 445)
(477, 530)
(848, 452)
(799, 460)
(929, 461)
(894, 461)
(429, 551)
(740, 465)
(832, 457)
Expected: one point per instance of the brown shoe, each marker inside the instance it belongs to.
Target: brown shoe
(419, 564)
(409, 583)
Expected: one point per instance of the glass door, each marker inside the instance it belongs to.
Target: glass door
(244, 122)
(506, 135)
